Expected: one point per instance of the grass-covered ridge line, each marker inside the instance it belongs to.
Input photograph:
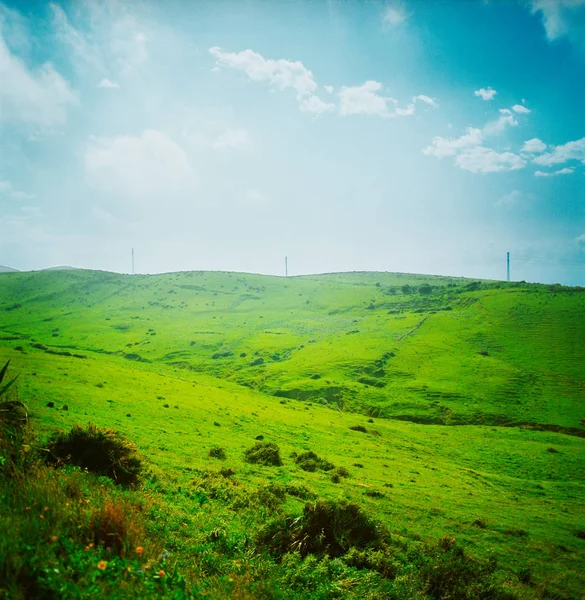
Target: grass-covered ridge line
(350, 372)
(351, 341)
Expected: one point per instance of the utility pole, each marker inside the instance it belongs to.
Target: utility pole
(132, 261)
(286, 266)
(508, 265)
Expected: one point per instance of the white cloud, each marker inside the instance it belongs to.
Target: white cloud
(485, 93)
(520, 109)
(83, 52)
(470, 153)
(106, 83)
(231, 138)
(42, 97)
(364, 100)
(427, 100)
(478, 159)
(570, 151)
(314, 104)
(281, 73)
(441, 147)
(329, 89)
(565, 171)
(561, 17)
(534, 146)
(496, 127)
(113, 43)
(394, 15)
(149, 166)
(581, 240)
(405, 112)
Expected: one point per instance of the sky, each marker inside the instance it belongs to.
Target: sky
(420, 136)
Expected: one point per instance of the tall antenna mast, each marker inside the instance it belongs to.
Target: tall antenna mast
(286, 266)
(508, 265)
(132, 261)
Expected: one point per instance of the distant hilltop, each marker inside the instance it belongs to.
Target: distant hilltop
(61, 268)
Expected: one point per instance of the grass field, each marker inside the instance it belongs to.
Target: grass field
(469, 397)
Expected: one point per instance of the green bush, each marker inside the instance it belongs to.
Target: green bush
(446, 571)
(217, 452)
(325, 527)
(264, 453)
(298, 490)
(360, 428)
(98, 450)
(309, 461)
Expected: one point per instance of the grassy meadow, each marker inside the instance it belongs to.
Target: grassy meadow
(450, 411)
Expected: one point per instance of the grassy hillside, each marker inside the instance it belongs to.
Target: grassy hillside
(468, 397)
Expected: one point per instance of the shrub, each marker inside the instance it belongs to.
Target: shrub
(264, 453)
(309, 461)
(98, 450)
(298, 490)
(325, 527)
(447, 572)
(374, 493)
(359, 428)
(424, 289)
(217, 452)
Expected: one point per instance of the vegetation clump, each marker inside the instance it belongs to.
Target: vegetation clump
(309, 461)
(217, 452)
(264, 453)
(99, 450)
(325, 527)
(360, 428)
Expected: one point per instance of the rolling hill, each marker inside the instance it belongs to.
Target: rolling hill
(456, 405)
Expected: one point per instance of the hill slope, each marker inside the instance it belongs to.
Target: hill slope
(185, 361)
(464, 353)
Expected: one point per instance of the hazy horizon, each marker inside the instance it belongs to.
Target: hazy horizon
(390, 136)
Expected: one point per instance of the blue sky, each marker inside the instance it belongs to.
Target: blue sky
(403, 136)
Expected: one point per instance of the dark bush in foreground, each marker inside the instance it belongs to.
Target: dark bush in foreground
(264, 453)
(325, 527)
(98, 450)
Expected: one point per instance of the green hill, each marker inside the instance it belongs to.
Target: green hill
(466, 398)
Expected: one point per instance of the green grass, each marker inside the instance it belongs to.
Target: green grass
(469, 388)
